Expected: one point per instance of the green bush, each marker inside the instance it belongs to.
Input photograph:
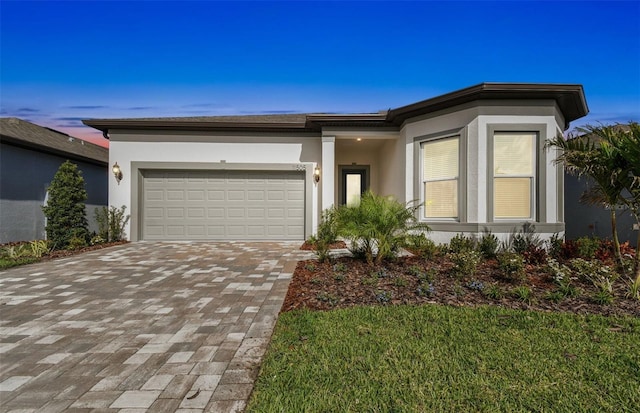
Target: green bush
(460, 243)
(511, 266)
(379, 224)
(521, 240)
(600, 275)
(39, 248)
(111, 223)
(65, 209)
(420, 245)
(554, 246)
(488, 245)
(523, 293)
(465, 263)
(587, 247)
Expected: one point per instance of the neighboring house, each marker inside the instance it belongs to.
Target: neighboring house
(30, 155)
(474, 157)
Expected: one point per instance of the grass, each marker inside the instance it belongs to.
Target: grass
(449, 359)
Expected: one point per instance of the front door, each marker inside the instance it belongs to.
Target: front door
(354, 181)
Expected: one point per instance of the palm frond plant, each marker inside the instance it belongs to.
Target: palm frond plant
(378, 226)
(594, 151)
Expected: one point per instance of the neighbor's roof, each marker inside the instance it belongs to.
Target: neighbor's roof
(27, 134)
(569, 98)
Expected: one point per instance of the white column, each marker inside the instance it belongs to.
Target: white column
(328, 168)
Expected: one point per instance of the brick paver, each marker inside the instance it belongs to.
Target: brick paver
(164, 327)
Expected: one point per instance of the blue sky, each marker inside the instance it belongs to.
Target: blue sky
(65, 61)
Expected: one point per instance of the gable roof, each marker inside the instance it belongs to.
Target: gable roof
(569, 98)
(26, 134)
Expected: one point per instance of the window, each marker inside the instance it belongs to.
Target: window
(514, 175)
(440, 171)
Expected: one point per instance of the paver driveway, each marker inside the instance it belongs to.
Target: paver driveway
(156, 327)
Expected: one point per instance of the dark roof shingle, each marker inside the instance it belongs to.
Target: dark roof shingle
(25, 133)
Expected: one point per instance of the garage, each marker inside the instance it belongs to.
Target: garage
(222, 205)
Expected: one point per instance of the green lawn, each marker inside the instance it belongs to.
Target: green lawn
(446, 359)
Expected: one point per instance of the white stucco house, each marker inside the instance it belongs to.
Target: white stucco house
(475, 158)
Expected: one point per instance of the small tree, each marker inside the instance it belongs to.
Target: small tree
(65, 210)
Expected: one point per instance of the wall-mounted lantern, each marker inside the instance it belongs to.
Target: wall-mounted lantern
(117, 173)
(316, 174)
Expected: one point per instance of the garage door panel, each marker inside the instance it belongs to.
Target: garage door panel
(223, 205)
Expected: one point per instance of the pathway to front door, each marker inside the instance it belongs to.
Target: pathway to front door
(143, 326)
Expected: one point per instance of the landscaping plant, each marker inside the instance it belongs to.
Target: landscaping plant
(65, 209)
(111, 223)
(378, 226)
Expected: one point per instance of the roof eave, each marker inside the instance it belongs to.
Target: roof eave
(570, 99)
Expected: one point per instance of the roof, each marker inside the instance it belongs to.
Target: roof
(569, 98)
(27, 134)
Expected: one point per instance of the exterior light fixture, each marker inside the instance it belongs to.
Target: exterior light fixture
(117, 173)
(316, 174)
(359, 139)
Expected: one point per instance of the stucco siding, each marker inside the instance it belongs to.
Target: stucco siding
(392, 161)
(25, 175)
(474, 126)
(222, 151)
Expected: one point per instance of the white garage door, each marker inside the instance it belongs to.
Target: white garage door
(222, 205)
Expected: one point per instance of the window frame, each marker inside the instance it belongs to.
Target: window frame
(422, 181)
(538, 176)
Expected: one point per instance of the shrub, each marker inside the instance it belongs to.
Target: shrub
(600, 275)
(554, 246)
(420, 245)
(460, 243)
(587, 247)
(76, 243)
(535, 255)
(488, 245)
(560, 273)
(111, 223)
(521, 240)
(65, 209)
(465, 263)
(326, 234)
(569, 250)
(511, 266)
(377, 223)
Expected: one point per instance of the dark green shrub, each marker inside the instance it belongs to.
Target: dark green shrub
(378, 226)
(511, 266)
(420, 245)
(554, 246)
(488, 245)
(65, 209)
(521, 240)
(326, 234)
(460, 243)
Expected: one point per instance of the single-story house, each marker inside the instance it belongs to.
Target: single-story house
(475, 158)
(30, 155)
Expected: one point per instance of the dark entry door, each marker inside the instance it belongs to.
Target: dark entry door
(354, 181)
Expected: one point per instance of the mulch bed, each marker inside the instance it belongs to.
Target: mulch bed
(347, 282)
(67, 253)
(336, 245)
